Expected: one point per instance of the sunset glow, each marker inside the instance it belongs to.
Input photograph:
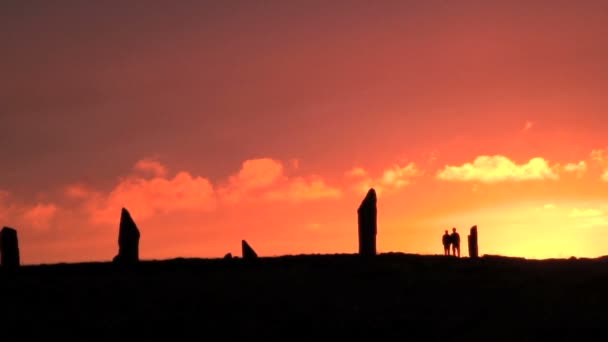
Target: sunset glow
(213, 122)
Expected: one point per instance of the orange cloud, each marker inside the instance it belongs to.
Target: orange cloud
(579, 168)
(152, 166)
(77, 191)
(356, 172)
(393, 178)
(399, 176)
(300, 189)
(497, 168)
(21, 215)
(146, 197)
(4, 206)
(40, 215)
(600, 156)
(264, 178)
(255, 174)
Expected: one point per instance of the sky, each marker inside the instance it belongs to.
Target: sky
(268, 121)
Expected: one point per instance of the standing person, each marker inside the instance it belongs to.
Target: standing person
(455, 237)
(446, 240)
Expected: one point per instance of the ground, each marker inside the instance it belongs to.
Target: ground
(419, 297)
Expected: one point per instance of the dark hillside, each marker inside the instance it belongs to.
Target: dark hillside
(422, 297)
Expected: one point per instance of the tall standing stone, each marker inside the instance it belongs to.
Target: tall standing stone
(367, 215)
(128, 239)
(248, 252)
(9, 248)
(473, 250)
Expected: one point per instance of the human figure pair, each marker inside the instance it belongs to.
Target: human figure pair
(451, 241)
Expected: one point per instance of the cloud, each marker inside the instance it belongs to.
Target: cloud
(264, 179)
(580, 168)
(588, 218)
(152, 166)
(146, 195)
(300, 189)
(585, 213)
(397, 176)
(599, 155)
(254, 175)
(549, 206)
(77, 191)
(391, 179)
(497, 168)
(356, 172)
(36, 216)
(433, 156)
(5, 208)
(40, 215)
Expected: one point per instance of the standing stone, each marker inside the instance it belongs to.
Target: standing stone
(473, 251)
(228, 256)
(367, 213)
(9, 248)
(128, 240)
(248, 252)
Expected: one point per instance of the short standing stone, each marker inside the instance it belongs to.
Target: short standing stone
(128, 239)
(9, 248)
(248, 252)
(367, 216)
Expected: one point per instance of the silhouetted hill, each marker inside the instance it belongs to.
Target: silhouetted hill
(327, 296)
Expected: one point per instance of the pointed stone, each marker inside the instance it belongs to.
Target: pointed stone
(248, 252)
(367, 216)
(228, 256)
(473, 248)
(128, 239)
(9, 248)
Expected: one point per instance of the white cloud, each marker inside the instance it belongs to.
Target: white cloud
(497, 168)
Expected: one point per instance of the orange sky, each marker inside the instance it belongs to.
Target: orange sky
(214, 122)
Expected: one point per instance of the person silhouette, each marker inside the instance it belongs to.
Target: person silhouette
(455, 237)
(446, 240)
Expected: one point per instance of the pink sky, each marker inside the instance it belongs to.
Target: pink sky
(214, 122)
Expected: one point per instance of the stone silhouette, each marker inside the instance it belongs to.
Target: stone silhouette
(248, 252)
(473, 250)
(9, 248)
(128, 240)
(228, 256)
(367, 215)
